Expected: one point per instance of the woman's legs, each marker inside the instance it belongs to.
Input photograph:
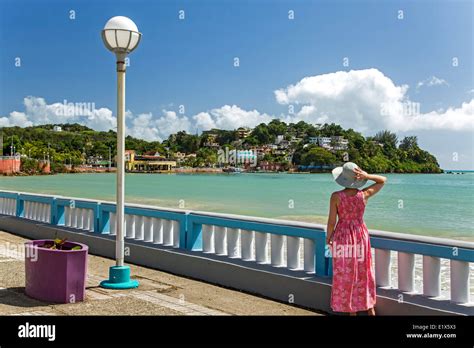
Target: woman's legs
(371, 312)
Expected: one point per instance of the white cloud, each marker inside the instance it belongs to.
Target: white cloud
(432, 81)
(146, 126)
(366, 100)
(38, 111)
(229, 117)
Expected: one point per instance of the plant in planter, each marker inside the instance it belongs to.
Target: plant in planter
(55, 270)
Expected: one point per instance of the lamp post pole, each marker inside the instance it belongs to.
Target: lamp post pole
(120, 245)
(121, 36)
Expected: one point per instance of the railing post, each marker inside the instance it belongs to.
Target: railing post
(183, 230)
(103, 223)
(322, 260)
(194, 237)
(96, 217)
(20, 205)
(53, 213)
(60, 214)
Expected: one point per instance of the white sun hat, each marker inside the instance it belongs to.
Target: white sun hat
(345, 176)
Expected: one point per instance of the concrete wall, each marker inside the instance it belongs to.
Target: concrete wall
(264, 280)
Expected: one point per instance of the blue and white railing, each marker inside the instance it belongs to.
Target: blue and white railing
(283, 244)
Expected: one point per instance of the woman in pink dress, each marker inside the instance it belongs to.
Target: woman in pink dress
(353, 282)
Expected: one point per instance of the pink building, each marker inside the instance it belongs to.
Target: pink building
(9, 164)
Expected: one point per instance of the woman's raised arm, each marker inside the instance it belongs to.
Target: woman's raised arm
(374, 188)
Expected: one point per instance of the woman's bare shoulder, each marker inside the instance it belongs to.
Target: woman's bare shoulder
(335, 195)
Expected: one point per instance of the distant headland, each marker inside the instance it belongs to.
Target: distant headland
(273, 147)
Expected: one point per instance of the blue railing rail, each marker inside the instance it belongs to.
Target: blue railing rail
(428, 246)
(191, 223)
(106, 208)
(317, 234)
(22, 198)
(62, 203)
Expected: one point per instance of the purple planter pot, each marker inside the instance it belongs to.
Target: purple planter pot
(57, 276)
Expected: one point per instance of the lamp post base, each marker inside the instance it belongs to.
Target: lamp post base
(119, 278)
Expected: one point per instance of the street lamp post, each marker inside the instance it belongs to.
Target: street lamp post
(121, 36)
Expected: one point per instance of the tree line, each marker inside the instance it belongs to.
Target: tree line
(383, 152)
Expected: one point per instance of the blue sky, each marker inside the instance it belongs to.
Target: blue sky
(190, 62)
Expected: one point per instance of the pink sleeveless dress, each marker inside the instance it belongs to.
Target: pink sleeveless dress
(353, 282)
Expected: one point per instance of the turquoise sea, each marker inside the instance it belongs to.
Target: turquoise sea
(428, 204)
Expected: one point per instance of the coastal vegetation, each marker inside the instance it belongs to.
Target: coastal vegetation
(297, 146)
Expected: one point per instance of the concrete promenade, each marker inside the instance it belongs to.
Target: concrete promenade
(159, 293)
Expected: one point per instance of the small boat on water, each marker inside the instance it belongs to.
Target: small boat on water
(235, 170)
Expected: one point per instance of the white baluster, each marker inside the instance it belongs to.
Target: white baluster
(10, 206)
(406, 271)
(276, 250)
(40, 213)
(232, 242)
(460, 281)
(167, 232)
(130, 226)
(80, 218)
(293, 252)
(31, 210)
(112, 224)
(2, 205)
(34, 210)
(208, 239)
(87, 219)
(175, 234)
(67, 216)
(382, 267)
(309, 255)
(41, 207)
(431, 276)
(220, 240)
(91, 222)
(74, 217)
(148, 229)
(48, 213)
(261, 245)
(157, 231)
(139, 228)
(247, 244)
